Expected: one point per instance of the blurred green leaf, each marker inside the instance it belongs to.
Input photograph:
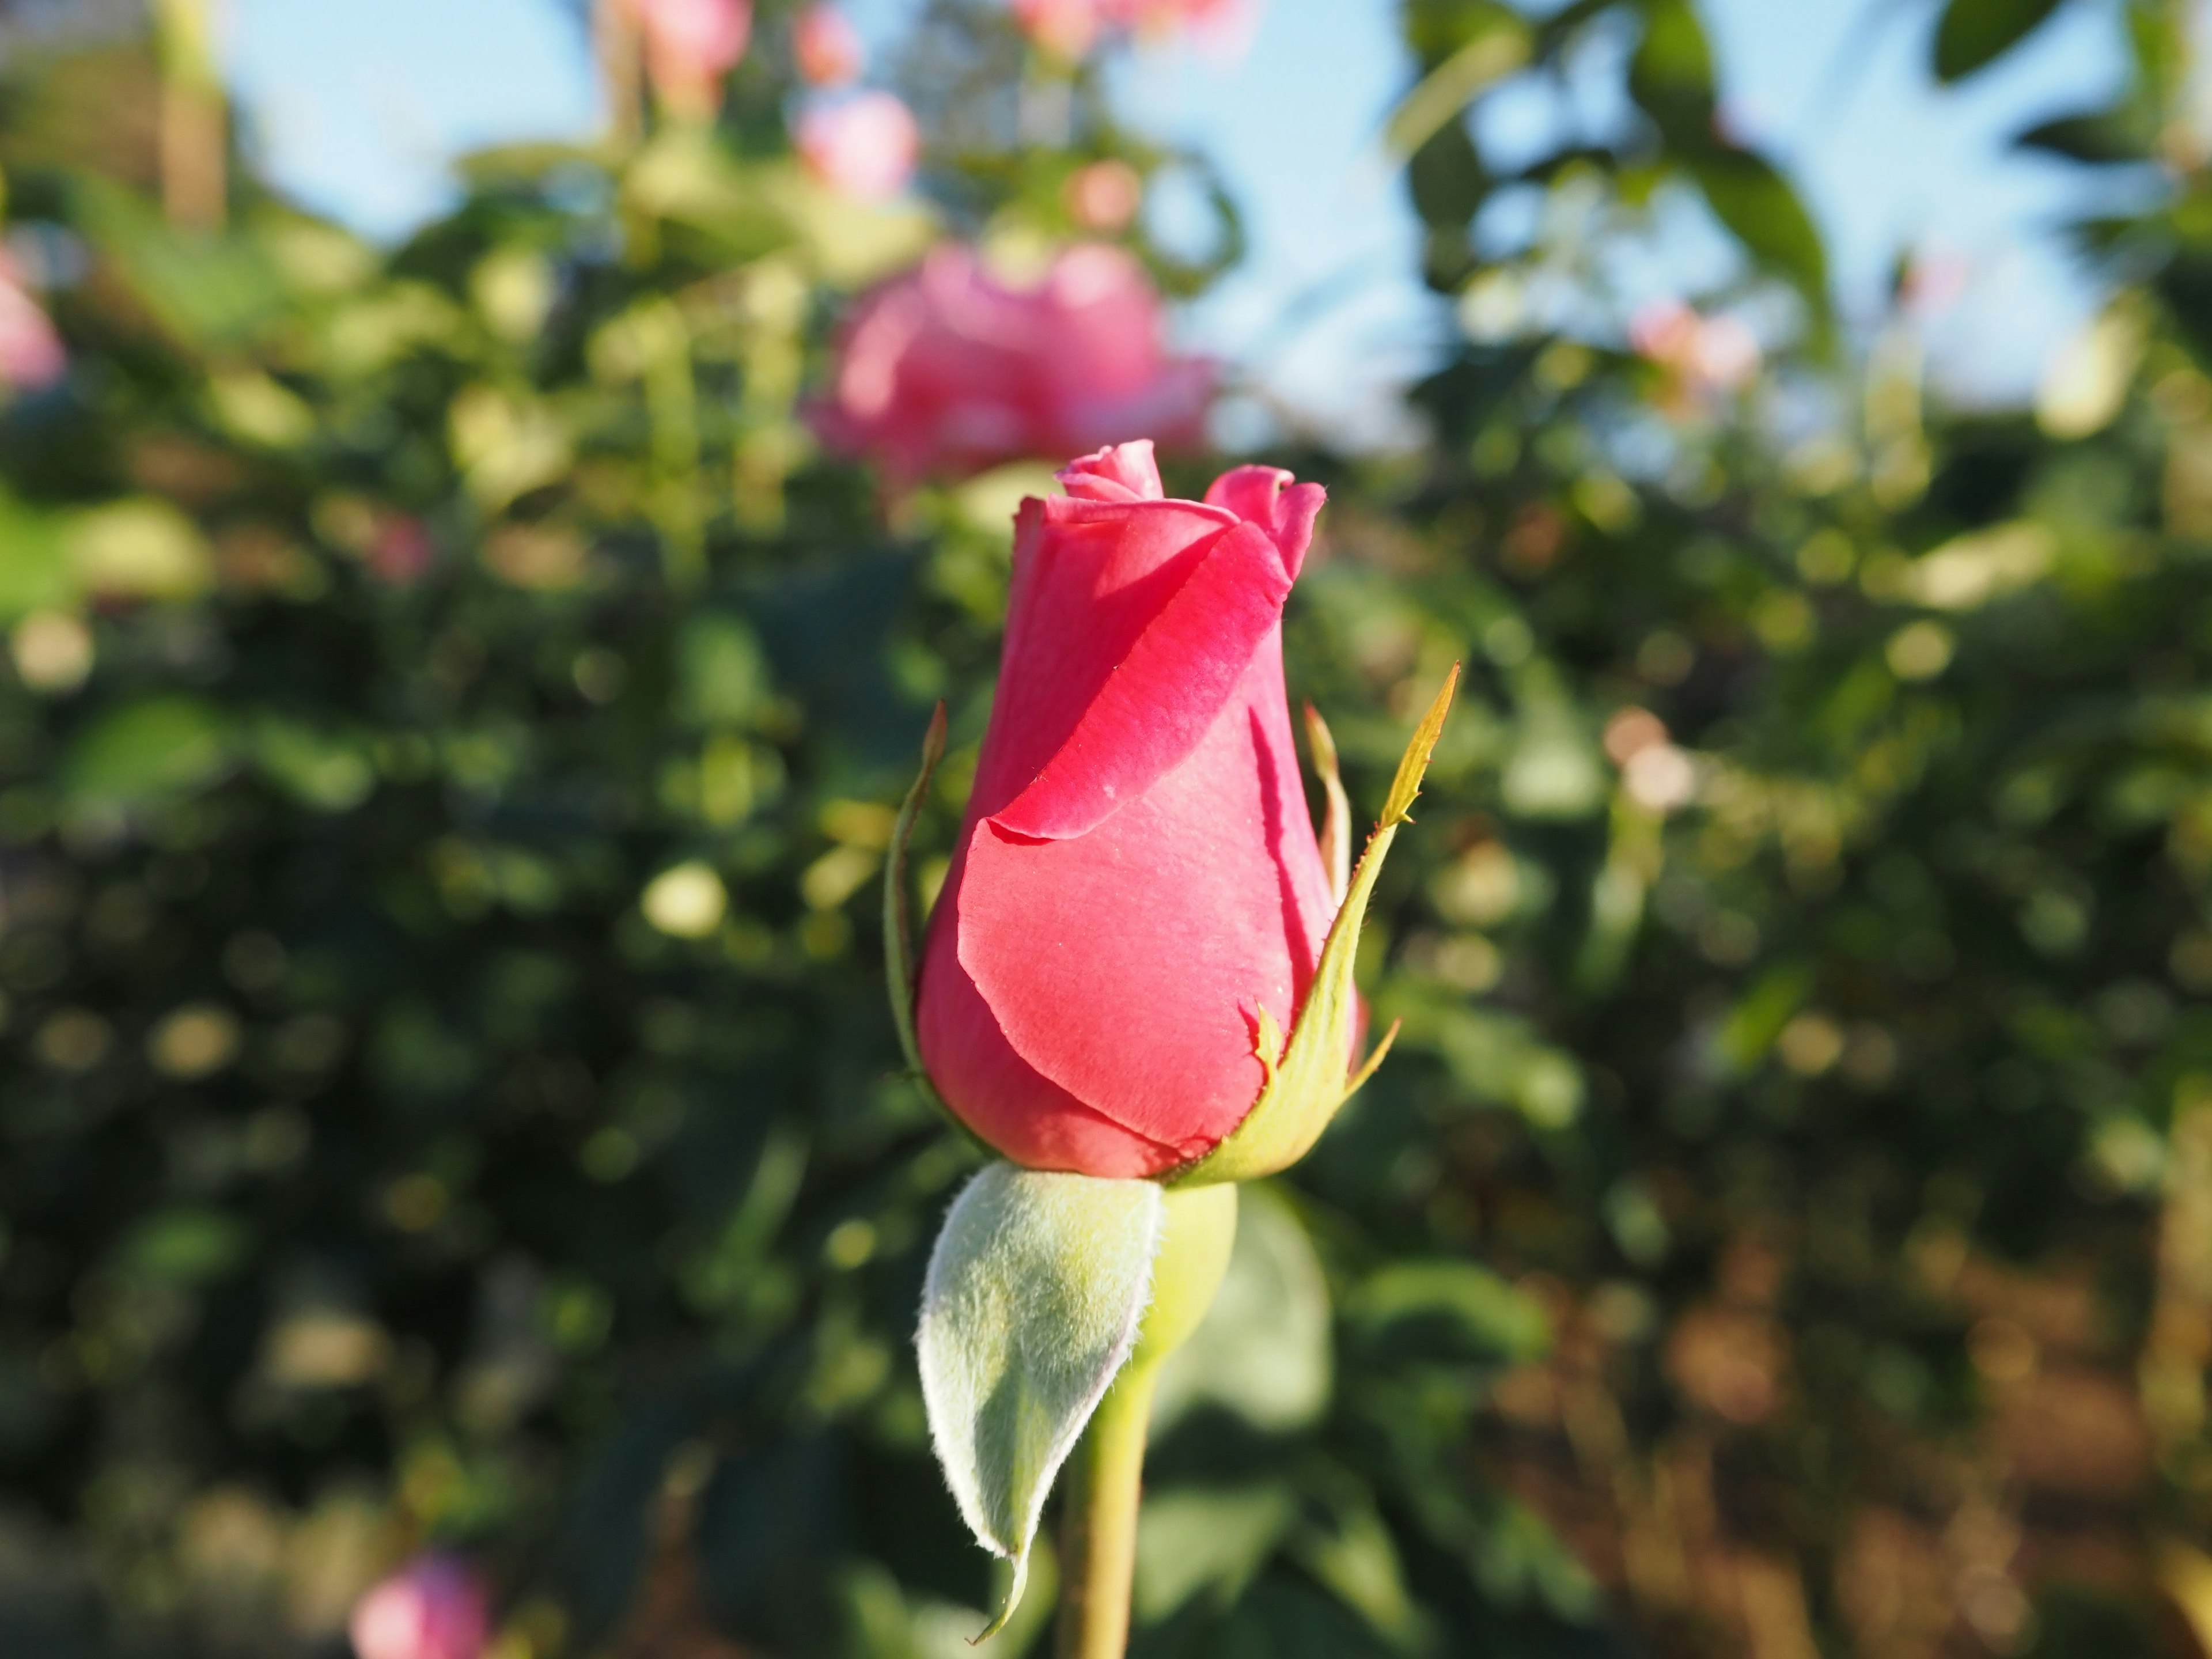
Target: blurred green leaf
(1446, 1312)
(185, 1246)
(1974, 34)
(1764, 212)
(1264, 1351)
(146, 750)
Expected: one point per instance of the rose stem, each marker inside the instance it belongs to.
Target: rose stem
(1098, 1535)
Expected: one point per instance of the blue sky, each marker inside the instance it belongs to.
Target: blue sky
(358, 107)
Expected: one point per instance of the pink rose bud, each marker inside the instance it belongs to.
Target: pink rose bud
(689, 46)
(1065, 28)
(827, 47)
(435, 1607)
(948, 369)
(1137, 878)
(32, 355)
(863, 146)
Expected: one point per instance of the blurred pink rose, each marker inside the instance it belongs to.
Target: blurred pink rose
(1069, 29)
(689, 46)
(1227, 21)
(1704, 354)
(1065, 28)
(1103, 196)
(950, 369)
(433, 1607)
(32, 355)
(862, 145)
(402, 550)
(827, 46)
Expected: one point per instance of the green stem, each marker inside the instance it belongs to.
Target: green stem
(1099, 1540)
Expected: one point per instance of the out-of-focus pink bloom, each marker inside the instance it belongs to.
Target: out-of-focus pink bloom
(435, 1607)
(402, 550)
(1704, 354)
(863, 145)
(1934, 282)
(32, 355)
(689, 46)
(1065, 28)
(948, 369)
(1223, 21)
(1103, 196)
(1069, 29)
(826, 46)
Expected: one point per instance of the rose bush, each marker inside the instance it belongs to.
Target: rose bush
(1137, 878)
(951, 369)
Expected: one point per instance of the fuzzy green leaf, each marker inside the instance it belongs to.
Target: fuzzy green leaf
(1035, 1291)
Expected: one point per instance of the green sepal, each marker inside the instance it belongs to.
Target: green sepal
(898, 907)
(1036, 1290)
(899, 967)
(1336, 828)
(1305, 1085)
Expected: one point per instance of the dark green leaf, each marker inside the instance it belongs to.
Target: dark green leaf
(1977, 33)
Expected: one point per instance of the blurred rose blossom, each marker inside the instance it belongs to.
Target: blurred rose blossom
(1704, 354)
(1103, 196)
(827, 46)
(32, 355)
(402, 550)
(952, 369)
(863, 145)
(1070, 29)
(435, 1607)
(689, 46)
(1065, 28)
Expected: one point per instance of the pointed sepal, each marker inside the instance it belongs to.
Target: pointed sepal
(1305, 1083)
(1336, 828)
(898, 906)
(1037, 1289)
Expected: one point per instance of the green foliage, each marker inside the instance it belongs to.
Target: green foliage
(1974, 34)
(453, 726)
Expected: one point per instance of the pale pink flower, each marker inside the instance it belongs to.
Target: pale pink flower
(826, 46)
(1704, 354)
(1103, 196)
(1065, 28)
(1070, 29)
(435, 1607)
(952, 369)
(689, 46)
(863, 145)
(1224, 23)
(32, 355)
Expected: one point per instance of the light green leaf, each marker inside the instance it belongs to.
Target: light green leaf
(1498, 47)
(1195, 1542)
(323, 770)
(1264, 1351)
(34, 567)
(1306, 1087)
(1035, 1293)
(143, 750)
(1452, 1313)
